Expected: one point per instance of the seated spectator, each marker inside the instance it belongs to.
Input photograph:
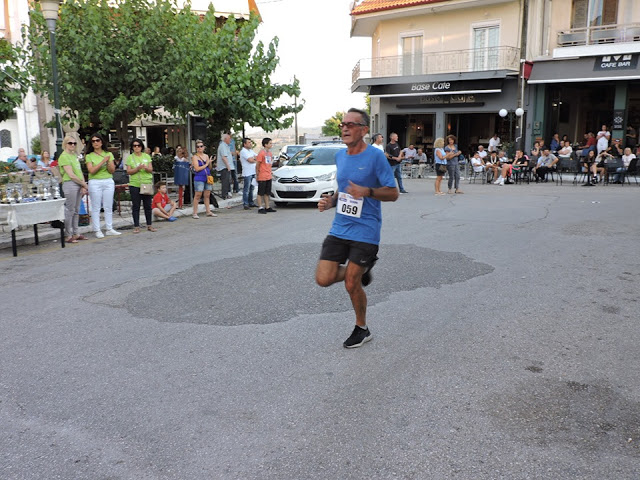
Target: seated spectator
(601, 165)
(545, 164)
(493, 165)
(45, 160)
(588, 166)
(616, 148)
(422, 162)
(520, 162)
(163, 206)
(505, 168)
(555, 145)
(478, 163)
(565, 151)
(535, 151)
(589, 144)
(627, 156)
(409, 154)
(23, 162)
(482, 152)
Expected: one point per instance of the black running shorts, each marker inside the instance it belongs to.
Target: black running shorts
(339, 250)
(264, 187)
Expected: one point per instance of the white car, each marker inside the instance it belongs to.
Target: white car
(308, 175)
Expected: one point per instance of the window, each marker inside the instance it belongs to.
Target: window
(5, 138)
(593, 13)
(412, 55)
(485, 44)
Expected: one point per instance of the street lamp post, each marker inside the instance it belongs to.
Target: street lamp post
(50, 12)
(518, 112)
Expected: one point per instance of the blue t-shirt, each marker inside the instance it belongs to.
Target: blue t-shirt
(368, 169)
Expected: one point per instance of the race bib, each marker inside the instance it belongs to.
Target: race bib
(349, 206)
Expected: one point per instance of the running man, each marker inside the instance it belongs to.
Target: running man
(365, 179)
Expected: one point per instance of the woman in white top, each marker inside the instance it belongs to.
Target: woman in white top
(620, 171)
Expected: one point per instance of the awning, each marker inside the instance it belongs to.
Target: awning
(587, 69)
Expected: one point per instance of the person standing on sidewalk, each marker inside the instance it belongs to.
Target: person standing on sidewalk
(364, 179)
(452, 153)
(264, 161)
(394, 155)
(233, 173)
(74, 188)
(202, 180)
(140, 171)
(101, 166)
(248, 162)
(225, 164)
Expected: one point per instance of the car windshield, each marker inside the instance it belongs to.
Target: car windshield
(293, 149)
(316, 156)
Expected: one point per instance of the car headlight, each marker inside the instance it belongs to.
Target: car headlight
(327, 177)
(274, 177)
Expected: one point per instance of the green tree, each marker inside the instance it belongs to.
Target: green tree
(331, 126)
(223, 78)
(110, 55)
(13, 79)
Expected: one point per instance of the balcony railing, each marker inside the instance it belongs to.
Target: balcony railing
(620, 33)
(472, 60)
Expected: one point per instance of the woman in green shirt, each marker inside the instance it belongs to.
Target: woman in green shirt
(139, 169)
(101, 166)
(73, 186)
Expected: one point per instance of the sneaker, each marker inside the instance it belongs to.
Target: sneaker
(262, 210)
(112, 233)
(367, 277)
(358, 337)
(497, 182)
(252, 205)
(403, 191)
(271, 210)
(172, 219)
(247, 207)
(99, 234)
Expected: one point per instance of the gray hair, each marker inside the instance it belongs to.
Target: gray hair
(363, 114)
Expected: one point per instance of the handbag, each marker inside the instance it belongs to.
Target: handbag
(210, 179)
(146, 189)
(442, 168)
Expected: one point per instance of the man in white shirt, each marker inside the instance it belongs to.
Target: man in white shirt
(377, 142)
(566, 150)
(481, 151)
(248, 162)
(603, 139)
(494, 143)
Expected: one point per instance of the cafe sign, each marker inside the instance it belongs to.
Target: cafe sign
(440, 87)
(616, 62)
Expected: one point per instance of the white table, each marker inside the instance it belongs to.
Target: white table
(32, 213)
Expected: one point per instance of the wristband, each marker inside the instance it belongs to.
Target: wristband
(370, 192)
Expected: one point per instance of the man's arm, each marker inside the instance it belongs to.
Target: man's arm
(383, 194)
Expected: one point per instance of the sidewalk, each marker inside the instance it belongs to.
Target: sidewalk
(24, 235)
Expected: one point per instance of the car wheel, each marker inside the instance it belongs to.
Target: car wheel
(281, 204)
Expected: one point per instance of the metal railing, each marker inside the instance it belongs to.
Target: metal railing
(472, 60)
(619, 33)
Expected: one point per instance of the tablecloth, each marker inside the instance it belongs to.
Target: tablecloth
(19, 214)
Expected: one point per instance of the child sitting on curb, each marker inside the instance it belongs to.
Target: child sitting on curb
(163, 206)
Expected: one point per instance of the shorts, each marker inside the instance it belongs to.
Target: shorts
(438, 172)
(201, 186)
(338, 250)
(264, 187)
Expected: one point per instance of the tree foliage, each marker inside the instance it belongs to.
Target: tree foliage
(331, 126)
(119, 59)
(13, 79)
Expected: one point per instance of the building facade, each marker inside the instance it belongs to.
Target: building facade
(586, 71)
(441, 67)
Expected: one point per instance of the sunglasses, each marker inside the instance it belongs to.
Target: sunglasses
(72, 143)
(137, 145)
(351, 124)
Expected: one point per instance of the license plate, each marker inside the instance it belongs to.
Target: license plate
(295, 188)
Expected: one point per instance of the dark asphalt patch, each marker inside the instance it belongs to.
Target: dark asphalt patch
(279, 284)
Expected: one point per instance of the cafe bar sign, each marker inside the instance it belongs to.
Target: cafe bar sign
(438, 88)
(616, 62)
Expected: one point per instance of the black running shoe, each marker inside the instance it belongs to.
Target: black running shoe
(359, 337)
(262, 210)
(271, 210)
(367, 277)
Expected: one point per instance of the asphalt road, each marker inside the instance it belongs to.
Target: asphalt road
(505, 326)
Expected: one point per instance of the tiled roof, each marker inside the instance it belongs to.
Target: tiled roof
(370, 6)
